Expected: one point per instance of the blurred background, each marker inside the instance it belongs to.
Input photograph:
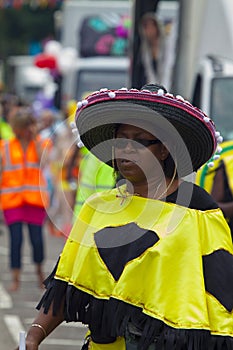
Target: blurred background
(66, 45)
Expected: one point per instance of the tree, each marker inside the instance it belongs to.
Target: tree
(19, 28)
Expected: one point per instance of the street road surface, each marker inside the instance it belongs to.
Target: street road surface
(17, 310)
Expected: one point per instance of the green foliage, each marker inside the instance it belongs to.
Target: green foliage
(19, 27)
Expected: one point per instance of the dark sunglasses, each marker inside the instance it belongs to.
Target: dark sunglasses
(136, 143)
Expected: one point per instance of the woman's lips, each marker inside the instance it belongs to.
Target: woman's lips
(128, 161)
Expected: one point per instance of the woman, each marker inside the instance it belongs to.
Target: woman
(148, 265)
(23, 191)
(152, 51)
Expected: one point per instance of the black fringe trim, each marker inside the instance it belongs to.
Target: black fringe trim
(108, 319)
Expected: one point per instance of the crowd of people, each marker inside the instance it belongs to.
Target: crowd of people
(39, 172)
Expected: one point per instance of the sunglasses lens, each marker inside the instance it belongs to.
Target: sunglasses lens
(122, 143)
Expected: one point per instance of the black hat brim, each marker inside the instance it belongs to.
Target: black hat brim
(190, 141)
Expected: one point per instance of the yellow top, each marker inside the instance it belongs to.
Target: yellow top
(166, 279)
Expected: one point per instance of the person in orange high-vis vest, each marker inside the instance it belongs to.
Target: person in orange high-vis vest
(23, 191)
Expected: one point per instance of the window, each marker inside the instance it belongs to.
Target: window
(197, 92)
(92, 80)
(221, 105)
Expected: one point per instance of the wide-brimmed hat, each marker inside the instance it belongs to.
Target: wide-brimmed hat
(191, 134)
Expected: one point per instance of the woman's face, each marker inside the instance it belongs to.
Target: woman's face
(26, 133)
(137, 162)
(150, 30)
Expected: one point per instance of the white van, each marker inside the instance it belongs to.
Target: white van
(213, 92)
(25, 79)
(93, 73)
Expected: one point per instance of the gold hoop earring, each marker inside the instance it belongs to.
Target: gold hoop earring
(114, 165)
(113, 158)
(170, 183)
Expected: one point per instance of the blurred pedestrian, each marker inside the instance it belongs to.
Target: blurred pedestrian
(152, 48)
(23, 191)
(94, 176)
(48, 129)
(62, 169)
(47, 124)
(8, 104)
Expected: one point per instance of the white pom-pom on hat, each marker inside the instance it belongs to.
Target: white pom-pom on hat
(220, 139)
(216, 156)
(79, 104)
(169, 95)
(80, 144)
(75, 131)
(72, 125)
(112, 94)
(160, 92)
(84, 102)
(179, 97)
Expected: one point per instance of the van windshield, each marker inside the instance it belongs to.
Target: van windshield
(93, 80)
(221, 107)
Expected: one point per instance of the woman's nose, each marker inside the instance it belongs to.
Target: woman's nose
(130, 145)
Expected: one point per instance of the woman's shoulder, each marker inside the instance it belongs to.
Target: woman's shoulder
(194, 197)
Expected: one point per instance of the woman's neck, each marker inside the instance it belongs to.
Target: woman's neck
(24, 143)
(155, 190)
